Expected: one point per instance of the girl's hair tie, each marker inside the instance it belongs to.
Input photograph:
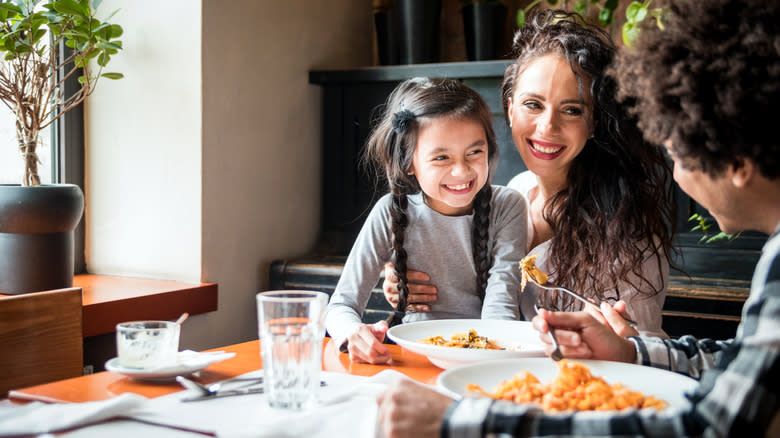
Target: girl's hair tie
(401, 120)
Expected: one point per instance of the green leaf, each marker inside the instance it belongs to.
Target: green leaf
(82, 79)
(606, 16)
(96, 3)
(580, 7)
(103, 59)
(636, 12)
(611, 4)
(70, 7)
(113, 76)
(629, 33)
(694, 217)
(696, 228)
(116, 31)
(107, 45)
(520, 18)
(10, 9)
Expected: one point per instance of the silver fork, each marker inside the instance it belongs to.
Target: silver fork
(556, 354)
(590, 304)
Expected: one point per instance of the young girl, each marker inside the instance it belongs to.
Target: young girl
(436, 146)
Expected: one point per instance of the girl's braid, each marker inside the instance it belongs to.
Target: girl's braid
(400, 222)
(480, 236)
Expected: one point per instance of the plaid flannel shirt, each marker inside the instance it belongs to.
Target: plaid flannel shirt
(738, 392)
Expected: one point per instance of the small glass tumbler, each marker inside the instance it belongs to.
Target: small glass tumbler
(147, 344)
(291, 327)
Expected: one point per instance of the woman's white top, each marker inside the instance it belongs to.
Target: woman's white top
(644, 309)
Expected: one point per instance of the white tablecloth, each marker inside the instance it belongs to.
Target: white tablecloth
(346, 408)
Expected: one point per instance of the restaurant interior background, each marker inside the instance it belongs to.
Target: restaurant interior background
(204, 162)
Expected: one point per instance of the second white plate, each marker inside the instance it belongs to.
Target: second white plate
(662, 384)
(518, 338)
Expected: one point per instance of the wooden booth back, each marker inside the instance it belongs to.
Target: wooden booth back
(40, 338)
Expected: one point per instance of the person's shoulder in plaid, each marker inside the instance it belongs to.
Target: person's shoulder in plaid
(704, 87)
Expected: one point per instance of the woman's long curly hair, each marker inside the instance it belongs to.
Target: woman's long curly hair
(390, 148)
(708, 82)
(616, 207)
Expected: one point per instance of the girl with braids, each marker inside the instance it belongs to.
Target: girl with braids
(436, 148)
(598, 195)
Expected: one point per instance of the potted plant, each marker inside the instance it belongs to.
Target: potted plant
(483, 28)
(43, 44)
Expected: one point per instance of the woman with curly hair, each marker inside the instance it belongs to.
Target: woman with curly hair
(598, 195)
(704, 87)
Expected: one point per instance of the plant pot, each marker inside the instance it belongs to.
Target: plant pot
(418, 25)
(36, 236)
(386, 26)
(483, 28)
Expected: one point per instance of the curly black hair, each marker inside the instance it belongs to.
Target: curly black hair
(708, 83)
(616, 207)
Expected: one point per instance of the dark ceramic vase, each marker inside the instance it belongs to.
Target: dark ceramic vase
(483, 28)
(36, 236)
(418, 25)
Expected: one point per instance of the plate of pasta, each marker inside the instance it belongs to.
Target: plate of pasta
(451, 342)
(570, 385)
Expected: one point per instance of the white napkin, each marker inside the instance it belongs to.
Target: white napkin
(188, 359)
(37, 417)
(346, 408)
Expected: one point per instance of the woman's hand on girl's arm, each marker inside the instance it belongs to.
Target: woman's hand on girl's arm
(365, 344)
(419, 293)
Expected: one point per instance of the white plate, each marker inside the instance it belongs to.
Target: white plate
(662, 384)
(518, 337)
(188, 363)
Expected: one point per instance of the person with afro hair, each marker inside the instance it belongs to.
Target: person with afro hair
(703, 87)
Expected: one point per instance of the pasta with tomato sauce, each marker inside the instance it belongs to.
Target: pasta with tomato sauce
(575, 388)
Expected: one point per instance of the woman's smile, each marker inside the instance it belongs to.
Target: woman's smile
(544, 150)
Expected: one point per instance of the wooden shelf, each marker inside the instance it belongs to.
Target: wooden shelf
(108, 300)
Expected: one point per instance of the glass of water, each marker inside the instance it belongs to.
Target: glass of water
(291, 327)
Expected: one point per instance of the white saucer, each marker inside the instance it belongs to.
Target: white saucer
(188, 362)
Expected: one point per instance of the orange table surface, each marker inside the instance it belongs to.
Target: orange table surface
(105, 385)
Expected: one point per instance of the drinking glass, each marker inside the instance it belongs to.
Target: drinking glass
(291, 326)
(147, 344)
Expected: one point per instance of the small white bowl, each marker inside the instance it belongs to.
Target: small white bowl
(147, 344)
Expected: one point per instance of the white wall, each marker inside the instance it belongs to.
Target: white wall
(204, 162)
(261, 137)
(143, 178)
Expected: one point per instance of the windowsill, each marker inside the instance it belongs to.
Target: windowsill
(108, 300)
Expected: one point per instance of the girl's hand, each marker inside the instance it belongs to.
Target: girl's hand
(582, 336)
(613, 317)
(365, 344)
(418, 293)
